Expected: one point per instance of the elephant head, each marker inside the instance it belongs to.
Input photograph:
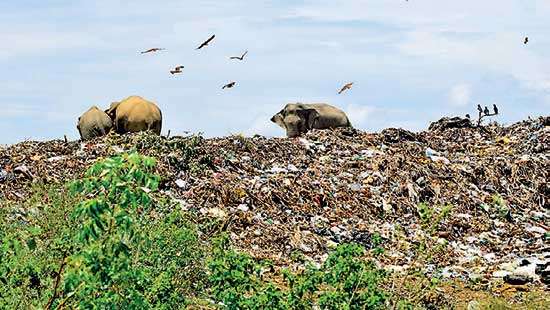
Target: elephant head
(93, 123)
(296, 118)
(111, 111)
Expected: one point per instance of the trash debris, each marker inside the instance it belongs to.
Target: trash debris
(517, 279)
(56, 158)
(436, 157)
(395, 135)
(242, 207)
(181, 183)
(331, 186)
(450, 122)
(4, 176)
(24, 170)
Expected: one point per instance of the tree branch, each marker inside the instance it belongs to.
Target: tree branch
(57, 280)
(482, 115)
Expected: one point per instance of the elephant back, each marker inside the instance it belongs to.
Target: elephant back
(330, 116)
(94, 123)
(138, 114)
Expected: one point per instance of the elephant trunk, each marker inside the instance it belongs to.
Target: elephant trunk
(293, 133)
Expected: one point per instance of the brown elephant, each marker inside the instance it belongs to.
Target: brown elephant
(135, 114)
(298, 118)
(94, 123)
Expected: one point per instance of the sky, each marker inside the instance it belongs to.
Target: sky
(411, 62)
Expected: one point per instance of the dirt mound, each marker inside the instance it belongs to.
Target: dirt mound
(460, 202)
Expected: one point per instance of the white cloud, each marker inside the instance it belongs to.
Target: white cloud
(500, 53)
(359, 114)
(484, 34)
(39, 42)
(10, 110)
(460, 95)
(263, 126)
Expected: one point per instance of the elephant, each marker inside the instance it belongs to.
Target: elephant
(94, 123)
(135, 114)
(298, 118)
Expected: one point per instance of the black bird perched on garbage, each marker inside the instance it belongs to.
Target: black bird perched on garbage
(526, 40)
(468, 116)
(486, 111)
(229, 85)
(205, 43)
(479, 108)
(495, 109)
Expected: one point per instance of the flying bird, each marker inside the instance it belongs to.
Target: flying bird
(205, 43)
(151, 50)
(230, 85)
(346, 87)
(486, 111)
(479, 108)
(526, 40)
(239, 58)
(495, 109)
(177, 69)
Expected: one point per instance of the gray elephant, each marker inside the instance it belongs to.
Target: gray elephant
(94, 123)
(298, 118)
(135, 114)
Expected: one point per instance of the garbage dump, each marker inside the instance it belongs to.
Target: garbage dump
(458, 201)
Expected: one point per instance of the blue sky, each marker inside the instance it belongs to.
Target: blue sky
(412, 61)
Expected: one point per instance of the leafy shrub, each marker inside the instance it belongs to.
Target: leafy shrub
(344, 281)
(431, 217)
(377, 241)
(352, 281)
(233, 277)
(35, 238)
(105, 245)
(174, 260)
(190, 158)
(89, 249)
(103, 272)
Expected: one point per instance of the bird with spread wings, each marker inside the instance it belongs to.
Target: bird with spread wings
(346, 87)
(205, 43)
(229, 85)
(177, 70)
(239, 58)
(152, 50)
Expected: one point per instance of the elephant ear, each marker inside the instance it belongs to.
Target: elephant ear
(311, 116)
(278, 119)
(111, 111)
(78, 127)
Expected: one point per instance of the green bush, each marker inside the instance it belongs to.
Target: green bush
(102, 246)
(104, 271)
(174, 260)
(344, 281)
(352, 282)
(431, 217)
(234, 278)
(111, 241)
(35, 240)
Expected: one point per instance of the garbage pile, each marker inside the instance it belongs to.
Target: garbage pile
(455, 201)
